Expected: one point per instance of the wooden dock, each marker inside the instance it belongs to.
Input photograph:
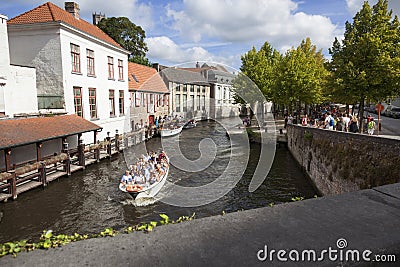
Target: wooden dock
(38, 174)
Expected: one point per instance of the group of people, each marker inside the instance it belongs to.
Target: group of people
(150, 168)
(339, 122)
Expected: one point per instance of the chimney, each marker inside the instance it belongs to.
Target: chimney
(72, 8)
(98, 17)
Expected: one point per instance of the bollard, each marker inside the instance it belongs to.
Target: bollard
(13, 184)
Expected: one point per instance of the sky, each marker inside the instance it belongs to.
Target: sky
(220, 31)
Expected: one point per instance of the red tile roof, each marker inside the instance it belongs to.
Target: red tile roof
(49, 12)
(18, 132)
(143, 78)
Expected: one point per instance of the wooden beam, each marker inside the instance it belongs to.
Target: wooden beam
(39, 151)
(7, 156)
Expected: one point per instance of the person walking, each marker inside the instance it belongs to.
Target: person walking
(371, 127)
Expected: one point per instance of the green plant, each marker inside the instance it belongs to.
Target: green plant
(49, 240)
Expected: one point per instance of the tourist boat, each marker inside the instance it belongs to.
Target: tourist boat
(190, 124)
(146, 191)
(165, 132)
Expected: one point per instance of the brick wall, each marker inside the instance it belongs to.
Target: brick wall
(339, 162)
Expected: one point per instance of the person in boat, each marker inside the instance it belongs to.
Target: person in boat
(126, 178)
(161, 156)
(160, 172)
(139, 179)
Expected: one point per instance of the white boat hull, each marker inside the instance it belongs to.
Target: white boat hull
(166, 133)
(147, 192)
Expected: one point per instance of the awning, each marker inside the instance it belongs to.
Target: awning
(19, 132)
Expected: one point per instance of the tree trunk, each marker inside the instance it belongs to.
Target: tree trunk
(361, 115)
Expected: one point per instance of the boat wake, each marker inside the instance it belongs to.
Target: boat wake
(141, 202)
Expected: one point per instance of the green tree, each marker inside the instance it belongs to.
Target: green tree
(129, 35)
(256, 80)
(366, 64)
(300, 77)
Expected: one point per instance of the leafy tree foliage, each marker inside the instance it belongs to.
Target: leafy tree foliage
(366, 64)
(300, 76)
(129, 35)
(256, 80)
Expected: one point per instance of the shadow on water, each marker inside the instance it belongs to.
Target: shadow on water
(89, 201)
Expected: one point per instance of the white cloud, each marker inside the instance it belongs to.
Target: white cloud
(138, 13)
(241, 21)
(163, 49)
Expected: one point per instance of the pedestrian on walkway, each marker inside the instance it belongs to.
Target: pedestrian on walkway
(371, 127)
(353, 127)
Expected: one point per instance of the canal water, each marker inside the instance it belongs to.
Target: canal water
(89, 201)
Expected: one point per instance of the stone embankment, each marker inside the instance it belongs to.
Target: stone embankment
(339, 162)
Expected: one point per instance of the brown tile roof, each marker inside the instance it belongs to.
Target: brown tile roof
(49, 12)
(143, 78)
(18, 132)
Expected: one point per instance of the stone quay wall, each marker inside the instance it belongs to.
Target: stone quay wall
(339, 162)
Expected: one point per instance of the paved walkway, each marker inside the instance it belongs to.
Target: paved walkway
(365, 220)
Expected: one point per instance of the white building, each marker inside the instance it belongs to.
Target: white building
(17, 83)
(79, 68)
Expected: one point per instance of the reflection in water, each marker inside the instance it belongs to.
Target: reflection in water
(89, 201)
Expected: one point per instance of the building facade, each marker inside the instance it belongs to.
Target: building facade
(149, 96)
(79, 68)
(17, 83)
(221, 93)
(189, 93)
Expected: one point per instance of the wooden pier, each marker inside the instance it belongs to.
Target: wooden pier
(38, 174)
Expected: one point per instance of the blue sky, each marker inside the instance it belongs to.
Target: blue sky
(220, 30)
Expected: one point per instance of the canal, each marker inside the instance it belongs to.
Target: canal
(89, 201)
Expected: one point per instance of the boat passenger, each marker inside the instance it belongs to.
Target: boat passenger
(126, 178)
(160, 172)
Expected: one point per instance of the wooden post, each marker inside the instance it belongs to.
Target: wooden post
(67, 162)
(42, 173)
(116, 141)
(97, 152)
(39, 151)
(108, 139)
(13, 184)
(7, 154)
(81, 152)
(94, 142)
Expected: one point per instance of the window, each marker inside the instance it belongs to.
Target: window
(110, 68)
(178, 87)
(192, 102)
(204, 89)
(121, 102)
(198, 102)
(204, 102)
(184, 103)
(185, 87)
(150, 103)
(90, 62)
(166, 100)
(178, 102)
(138, 99)
(192, 88)
(120, 70)
(198, 88)
(78, 101)
(112, 103)
(92, 103)
(76, 58)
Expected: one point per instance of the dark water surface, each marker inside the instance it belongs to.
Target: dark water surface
(89, 201)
